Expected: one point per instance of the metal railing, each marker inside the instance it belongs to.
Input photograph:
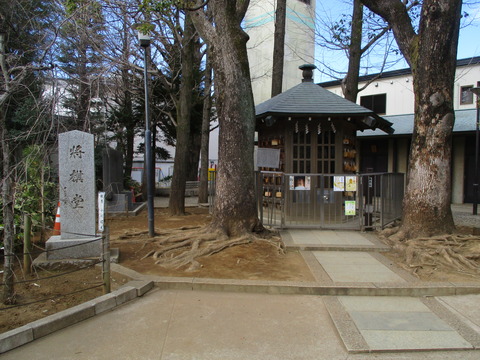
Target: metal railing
(340, 201)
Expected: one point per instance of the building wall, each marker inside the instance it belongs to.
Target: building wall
(458, 169)
(400, 101)
(399, 90)
(299, 43)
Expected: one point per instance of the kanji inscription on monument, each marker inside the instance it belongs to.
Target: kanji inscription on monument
(78, 237)
(77, 184)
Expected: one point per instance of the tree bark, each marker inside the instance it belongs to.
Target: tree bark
(8, 218)
(193, 156)
(204, 165)
(350, 82)
(184, 111)
(235, 211)
(432, 57)
(279, 47)
(7, 191)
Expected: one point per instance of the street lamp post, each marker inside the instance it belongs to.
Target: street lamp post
(144, 40)
(476, 91)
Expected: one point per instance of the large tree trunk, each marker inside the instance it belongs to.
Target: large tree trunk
(235, 211)
(7, 199)
(207, 106)
(432, 58)
(193, 156)
(350, 82)
(129, 152)
(279, 47)
(184, 110)
(6, 186)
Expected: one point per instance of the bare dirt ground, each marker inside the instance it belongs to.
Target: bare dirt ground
(254, 261)
(53, 290)
(446, 258)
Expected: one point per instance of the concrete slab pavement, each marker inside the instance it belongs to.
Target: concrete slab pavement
(355, 266)
(331, 240)
(197, 325)
(181, 324)
(466, 307)
(239, 319)
(394, 324)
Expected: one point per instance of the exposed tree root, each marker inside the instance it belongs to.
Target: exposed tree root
(181, 247)
(134, 235)
(460, 253)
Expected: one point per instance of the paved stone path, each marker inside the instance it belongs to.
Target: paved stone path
(374, 323)
(326, 319)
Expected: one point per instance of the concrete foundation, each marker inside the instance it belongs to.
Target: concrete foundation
(58, 248)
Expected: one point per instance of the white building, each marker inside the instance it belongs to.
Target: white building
(391, 96)
(299, 43)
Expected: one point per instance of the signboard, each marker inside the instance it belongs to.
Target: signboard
(101, 211)
(268, 158)
(299, 182)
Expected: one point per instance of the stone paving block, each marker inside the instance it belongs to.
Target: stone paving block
(351, 337)
(62, 319)
(103, 303)
(361, 303)
(354, 266)
(125, 294)
(462, 322)
(381, 340)
(14, 338)
(398, 321)
(142, 286)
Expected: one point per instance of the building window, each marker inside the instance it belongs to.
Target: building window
(302, 142)
(376, 103)
(466, 96)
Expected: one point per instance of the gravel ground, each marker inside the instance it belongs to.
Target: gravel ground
(462, 215)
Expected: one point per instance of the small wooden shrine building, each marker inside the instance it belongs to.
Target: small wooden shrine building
(313, 134)
(314, 128)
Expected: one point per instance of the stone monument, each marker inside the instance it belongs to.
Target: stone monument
(78, 237)
(118, 200)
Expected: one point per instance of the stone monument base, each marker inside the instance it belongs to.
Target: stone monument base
(121, 202)
(58, 248)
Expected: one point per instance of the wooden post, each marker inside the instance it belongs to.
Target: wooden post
(27, 245)
(106, 261)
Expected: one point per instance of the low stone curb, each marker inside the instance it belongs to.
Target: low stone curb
(309, 288)
(39, 328)
(415, 289)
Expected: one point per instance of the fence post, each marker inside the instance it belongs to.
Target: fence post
(369, 203)
(106, 260)
(259, 185)
(27, 244)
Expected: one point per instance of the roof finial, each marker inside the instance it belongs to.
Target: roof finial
(307, 72)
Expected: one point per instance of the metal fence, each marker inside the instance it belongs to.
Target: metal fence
(341, 201)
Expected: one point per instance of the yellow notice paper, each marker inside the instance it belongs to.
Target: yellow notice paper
(351, 183)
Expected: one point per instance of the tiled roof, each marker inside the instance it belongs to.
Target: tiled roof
(310, 99)
(403, 124)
